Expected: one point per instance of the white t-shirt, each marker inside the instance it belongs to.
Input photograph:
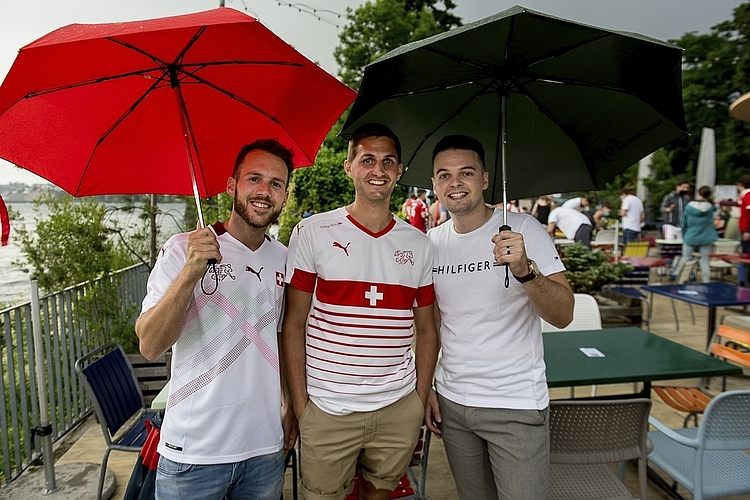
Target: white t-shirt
(360, 327)
(224, 402)
(574, 203)
(568, 220)
(632, 219)
(492, 350)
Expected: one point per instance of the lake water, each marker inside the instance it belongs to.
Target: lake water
(14, 283)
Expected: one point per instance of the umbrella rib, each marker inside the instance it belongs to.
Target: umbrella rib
(247, 103)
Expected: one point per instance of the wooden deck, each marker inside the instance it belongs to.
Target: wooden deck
(440, 486)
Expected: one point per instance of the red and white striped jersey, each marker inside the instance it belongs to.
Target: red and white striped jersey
(360, 327)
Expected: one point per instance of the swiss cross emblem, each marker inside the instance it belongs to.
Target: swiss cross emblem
(279, 278)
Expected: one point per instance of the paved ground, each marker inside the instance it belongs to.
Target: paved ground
(440, 485)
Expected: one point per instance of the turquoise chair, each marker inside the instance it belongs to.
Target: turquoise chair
(710, 460)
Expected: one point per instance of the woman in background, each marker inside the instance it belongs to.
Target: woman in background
(542, 207)
(698, 230)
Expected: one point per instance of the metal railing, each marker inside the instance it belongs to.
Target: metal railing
(66, 338)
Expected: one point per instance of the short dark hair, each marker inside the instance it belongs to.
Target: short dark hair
(680, 182)
(626, 190)
(745, 181)
(459, 141)
(271, 146)
(372, 130)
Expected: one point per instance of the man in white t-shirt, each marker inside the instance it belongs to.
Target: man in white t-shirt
(633, 215)
(360, 291)
(574, 225)
(580, 203)
(228, 417)
(491, 400)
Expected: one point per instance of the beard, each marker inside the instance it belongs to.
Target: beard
(241, 207)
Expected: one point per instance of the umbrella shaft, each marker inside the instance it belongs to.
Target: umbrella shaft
(189, 149)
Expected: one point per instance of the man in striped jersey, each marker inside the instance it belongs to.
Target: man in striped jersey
(360, 291)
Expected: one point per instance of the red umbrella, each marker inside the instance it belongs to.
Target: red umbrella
(161, 106)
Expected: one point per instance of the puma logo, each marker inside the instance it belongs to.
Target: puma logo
(257, 273)
(336, 244)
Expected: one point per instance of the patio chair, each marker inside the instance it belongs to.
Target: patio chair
(681, 272)
(636, 249)
(723, 247)
(710, 460)
(118, 402)
(586, 436)
(725, 344)
(629, 285)
(586, 316)
(411, 486)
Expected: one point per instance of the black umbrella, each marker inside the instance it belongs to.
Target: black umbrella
(564, 105)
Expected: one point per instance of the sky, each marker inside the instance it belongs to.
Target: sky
(23, 21)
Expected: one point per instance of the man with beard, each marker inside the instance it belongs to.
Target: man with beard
(357, 390)
(228, 417)
(491, 400)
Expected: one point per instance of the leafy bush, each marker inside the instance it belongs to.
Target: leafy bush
(588, 270)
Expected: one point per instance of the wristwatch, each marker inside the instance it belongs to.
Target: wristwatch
(533, 273)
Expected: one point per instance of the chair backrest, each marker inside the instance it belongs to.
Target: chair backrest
(605, 236)
(638, 276)
(726, 422)
(722, 246)
(598, 431)
(636, 249)
(683, 270)
(586, 315)
(732, 345)
(111, 385)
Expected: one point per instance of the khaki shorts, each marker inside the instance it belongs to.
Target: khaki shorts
(381, 441)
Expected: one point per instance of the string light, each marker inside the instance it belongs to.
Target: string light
(325, 15)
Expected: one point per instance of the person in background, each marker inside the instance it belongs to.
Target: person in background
(580, 203)
(672, 207)
(743, 187)
(229, 416)
(360, 292)
(698, 230)
(417, 211)
(491, 400)
(575, 225)
(542, 208)
(602, 211)
(633, 215)
(439, 213)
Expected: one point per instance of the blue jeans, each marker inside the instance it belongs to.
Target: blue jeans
(630, 235)
(257, 478)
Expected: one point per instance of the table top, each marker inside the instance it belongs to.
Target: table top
(714, 294)
(160, 401)
(735, 257)
(643, 261)
(630, 355)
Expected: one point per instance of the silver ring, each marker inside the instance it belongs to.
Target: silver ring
(507, 250)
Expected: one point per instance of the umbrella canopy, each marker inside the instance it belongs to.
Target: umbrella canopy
(579, 104)
(131, 108)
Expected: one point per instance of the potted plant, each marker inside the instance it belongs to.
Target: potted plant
(588, 271)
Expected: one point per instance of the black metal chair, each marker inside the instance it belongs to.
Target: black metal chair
(118, 402)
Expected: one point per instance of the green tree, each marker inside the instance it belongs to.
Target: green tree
(73, 245)
(715, 73)
(383, 25)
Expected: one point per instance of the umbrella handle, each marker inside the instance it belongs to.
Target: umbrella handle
(506, 227)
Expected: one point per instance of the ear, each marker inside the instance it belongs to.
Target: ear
(348, 168)
(486, 180)
(400, 171)
(231, 186)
